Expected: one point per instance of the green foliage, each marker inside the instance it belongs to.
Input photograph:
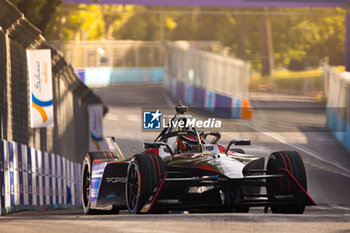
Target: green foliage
(299, 40)
(83, 22)
(307, 38)
(38, 12)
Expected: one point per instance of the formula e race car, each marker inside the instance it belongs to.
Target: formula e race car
(182, 170)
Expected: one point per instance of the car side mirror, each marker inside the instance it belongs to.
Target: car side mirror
(151, 145)
(238, 142)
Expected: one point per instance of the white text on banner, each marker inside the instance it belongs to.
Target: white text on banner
(40, 78)
(95, 124)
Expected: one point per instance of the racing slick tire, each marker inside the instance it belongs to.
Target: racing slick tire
(291, 161)
(86, 185)
(144, 174)
(86, 180)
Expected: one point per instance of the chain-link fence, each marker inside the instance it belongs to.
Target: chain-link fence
(122, 53)
(69, 136)
(224, 75)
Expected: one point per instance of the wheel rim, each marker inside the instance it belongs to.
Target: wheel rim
(132, 188)
(86, 186)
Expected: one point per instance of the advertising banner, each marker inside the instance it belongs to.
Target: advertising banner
(95, 127)
(40, 79)
(2, 175)
(7, 175)
(31, 178)
(54, 179)
(25, 174)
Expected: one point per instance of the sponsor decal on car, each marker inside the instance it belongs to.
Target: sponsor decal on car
(116, 180)
(169, 201)
(286, 196)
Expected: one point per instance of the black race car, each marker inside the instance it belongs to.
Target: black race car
(182, 170)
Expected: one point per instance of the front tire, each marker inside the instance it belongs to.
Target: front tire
(144, 174)
(291, 161)
(86, 181)
(86, 186)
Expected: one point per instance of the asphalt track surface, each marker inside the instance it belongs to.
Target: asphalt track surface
(327, 165)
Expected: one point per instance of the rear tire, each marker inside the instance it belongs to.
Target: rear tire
(144, 174)
(291, 161)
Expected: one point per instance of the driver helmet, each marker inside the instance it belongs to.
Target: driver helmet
(186, 143)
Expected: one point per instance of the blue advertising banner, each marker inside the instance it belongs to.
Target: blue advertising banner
(32, 179)
(2, 177)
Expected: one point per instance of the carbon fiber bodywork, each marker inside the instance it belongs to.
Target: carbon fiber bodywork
(207, 177)
(197, 182)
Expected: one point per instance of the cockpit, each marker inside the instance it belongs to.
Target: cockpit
(180, 137)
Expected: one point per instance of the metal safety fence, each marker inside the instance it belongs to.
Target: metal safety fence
(337, 92)
(205, 79)
(122, 61)
(122, 53)
(69, 138)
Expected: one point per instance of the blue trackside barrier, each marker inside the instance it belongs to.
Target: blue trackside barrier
(337, 86)
(34, 180)
(208, 80)
(236, 108)
(189, 92)
(209, 100)
(81, 74)
(337, 124)
(180, 90)
(101, 76)
(201, 97)
(223, 104)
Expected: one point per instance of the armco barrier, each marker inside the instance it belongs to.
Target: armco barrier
(32, 179)
(106, 75)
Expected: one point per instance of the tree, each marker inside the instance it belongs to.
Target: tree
(300, 36)
(110, 15)
(38, 12)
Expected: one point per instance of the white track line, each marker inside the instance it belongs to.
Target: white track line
(300, 148)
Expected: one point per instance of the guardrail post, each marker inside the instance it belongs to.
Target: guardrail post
(8, 87)
(347, 39)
